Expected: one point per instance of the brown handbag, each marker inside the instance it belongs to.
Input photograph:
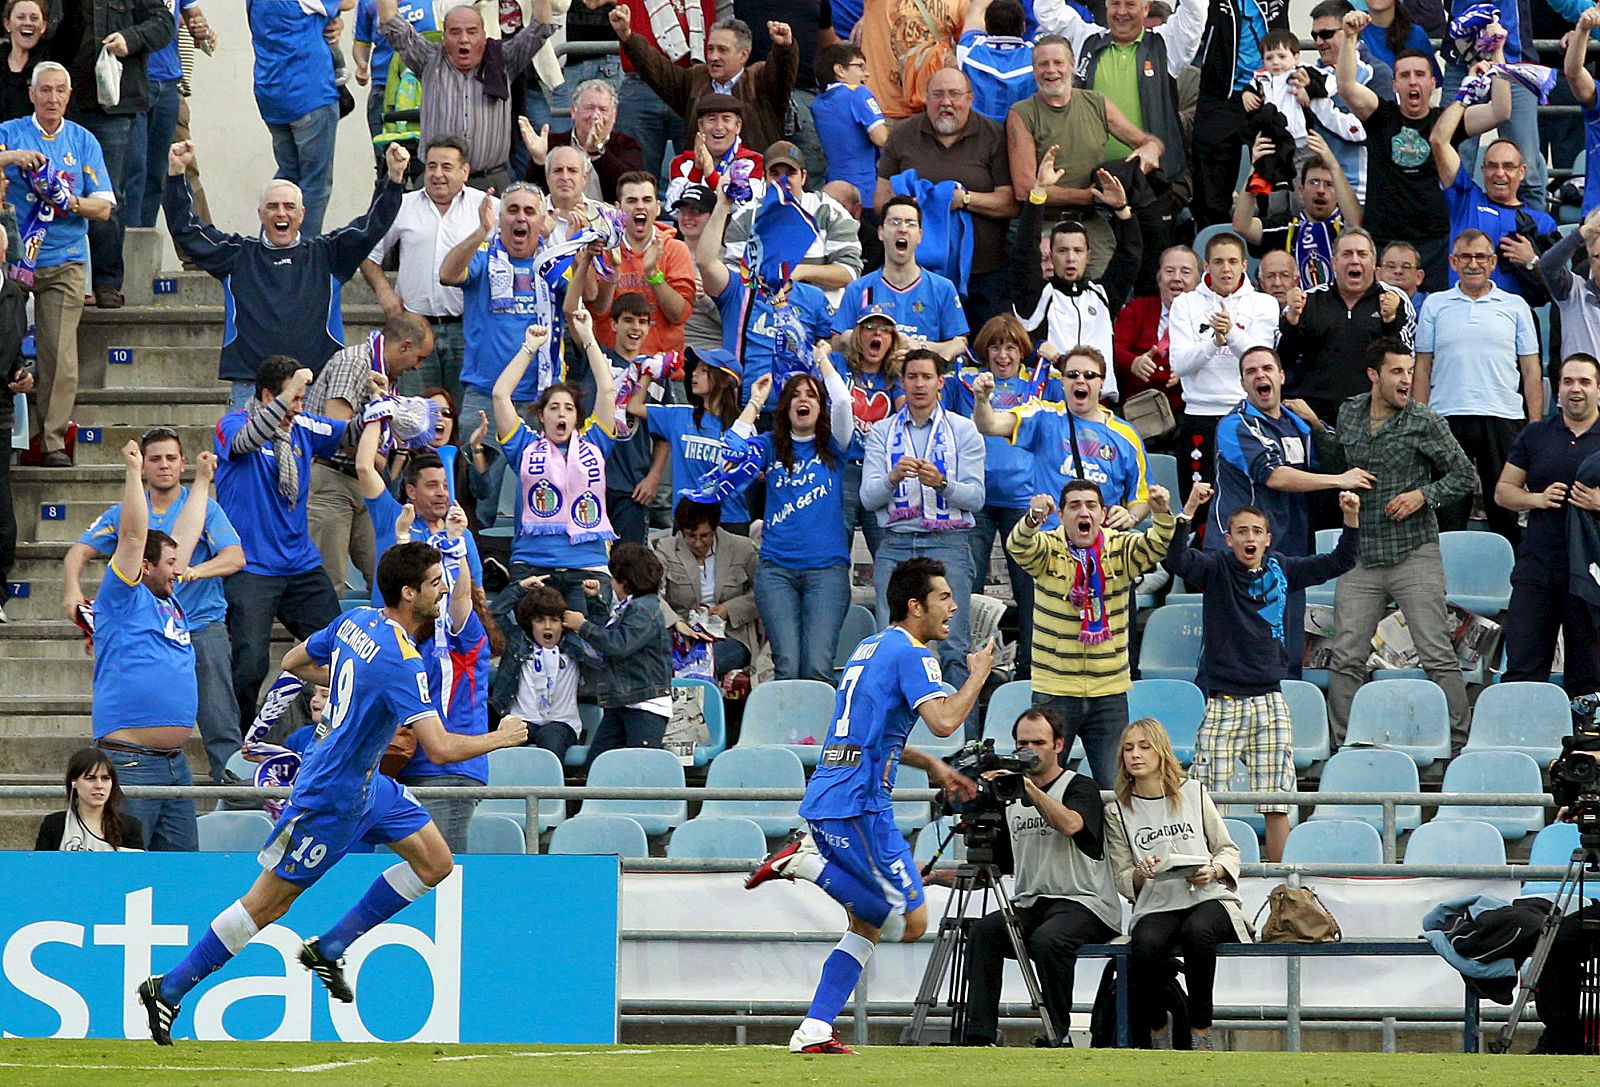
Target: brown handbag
(1295, 915)
(1150, 414)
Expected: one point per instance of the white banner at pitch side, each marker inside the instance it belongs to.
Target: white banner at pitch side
(762, 970)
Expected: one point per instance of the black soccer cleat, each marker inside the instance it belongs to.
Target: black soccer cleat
(331, 971)
(160, 1013)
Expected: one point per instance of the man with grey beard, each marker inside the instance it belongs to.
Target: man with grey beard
(952, 142)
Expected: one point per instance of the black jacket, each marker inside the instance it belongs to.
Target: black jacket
(1323, 354)
(52, 826)
(1218, 54)
(147, 26)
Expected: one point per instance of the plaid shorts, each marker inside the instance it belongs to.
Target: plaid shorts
(1256, 729)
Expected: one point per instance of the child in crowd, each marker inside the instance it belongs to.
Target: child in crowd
(547, 683)
(850, 124)
(1243, 660)
(1281, 102)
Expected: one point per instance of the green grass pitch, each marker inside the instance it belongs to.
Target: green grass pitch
(26, 1063)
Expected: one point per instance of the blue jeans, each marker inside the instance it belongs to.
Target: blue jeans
(802, 611)
(147, 154)
(993, 521)
(1522, 129)
(169, 825)
(644, 116)
(1099, 721)
(452, 815)
(218, 718)
(240, 393)
(305, 603)
(625, 727)
(855, 515)
(105, 238)
(954, 549)
(608, 68)
(304, 150)
(375, 95)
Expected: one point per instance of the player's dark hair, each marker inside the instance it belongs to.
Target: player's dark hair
(1004, 19)
(1082, 485)
(900, 201)
(542, 602)
(154, 542)
(1045, 714)
(834, 56)
(113, 822)
(938, 360)
(629, 303)
(1281, 39)
(911, 580)
(691, 514)
(421, 462)
(637, 568)
(273, 372)
(1239, 511)
(1381, 348)
(404, 566)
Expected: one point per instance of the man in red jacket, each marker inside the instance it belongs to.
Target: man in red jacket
(1139, 335)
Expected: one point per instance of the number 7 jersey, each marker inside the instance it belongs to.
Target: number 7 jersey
(376, 683)
(888, 676)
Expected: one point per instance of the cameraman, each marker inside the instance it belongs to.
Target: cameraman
(1064, 897)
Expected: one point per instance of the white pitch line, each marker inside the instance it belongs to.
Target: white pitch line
(555, 1053)
(330, 1066)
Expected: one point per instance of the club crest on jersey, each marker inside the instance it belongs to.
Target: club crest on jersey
(544, 500)
(586, 512)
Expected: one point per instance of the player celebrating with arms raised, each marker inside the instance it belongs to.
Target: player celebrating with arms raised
(376, 675)
(861, 859)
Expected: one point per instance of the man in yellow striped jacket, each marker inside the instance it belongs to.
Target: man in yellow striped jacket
(1081, 612)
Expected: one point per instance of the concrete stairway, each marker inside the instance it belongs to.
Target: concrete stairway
(152, 363)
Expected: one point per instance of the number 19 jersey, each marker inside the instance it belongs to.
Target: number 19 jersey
(376, 683)
(888, 676)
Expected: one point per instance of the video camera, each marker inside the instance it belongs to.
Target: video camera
(984, 816)
(1575, 773)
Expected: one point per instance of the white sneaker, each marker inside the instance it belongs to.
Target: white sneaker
(828, 1043)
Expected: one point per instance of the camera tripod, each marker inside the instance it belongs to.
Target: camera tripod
(949, 955)
(1570, 889)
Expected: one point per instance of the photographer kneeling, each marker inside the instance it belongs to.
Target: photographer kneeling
(1064, 896)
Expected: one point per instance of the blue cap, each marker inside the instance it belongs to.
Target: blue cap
(876, 310)
(718, 358)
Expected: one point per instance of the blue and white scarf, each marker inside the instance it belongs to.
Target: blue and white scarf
(913, 500)
(735, 472)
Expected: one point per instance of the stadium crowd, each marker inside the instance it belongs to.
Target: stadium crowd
(727, 282)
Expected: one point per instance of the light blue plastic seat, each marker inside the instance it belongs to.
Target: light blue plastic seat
(525, 766)
(1526, 717)
(1495, 772)
(1333, 841)
(1327, 539)
(716, 719)
(1177, 704)
(757, 768)
(1553, 846)
(639, 767)
(1308, 709)
(1408, 715)
(1171, 645)
(234, 831)
(615, 835)
(1455, 841)
(490, 833)
(1179, 594)
(1477, 571)
(1005, 706)
(1245, 838)
(711, 837)
(911, 815)
(1370, 770)
(859, 623)
(923, 739)
(589, 718)
(787, 711)
(1161, 469)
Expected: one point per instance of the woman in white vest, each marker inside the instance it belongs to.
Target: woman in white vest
(1173, 859)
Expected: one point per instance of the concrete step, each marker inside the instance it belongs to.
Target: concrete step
(196, 438)
(47, 678)
(67, 484)
(19, 829)
(203, 289)
(46, 724)
(142, 367)
(196, 405)
(76, 515)
(54, 640)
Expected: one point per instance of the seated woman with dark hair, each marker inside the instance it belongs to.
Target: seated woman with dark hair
(629, 652)
(706, 566)
(94, 820)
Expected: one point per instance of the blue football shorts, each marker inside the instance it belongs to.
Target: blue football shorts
(871, 848)
(306, 843)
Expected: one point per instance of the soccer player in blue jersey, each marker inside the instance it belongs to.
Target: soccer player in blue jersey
(378, 681)
(860, 858)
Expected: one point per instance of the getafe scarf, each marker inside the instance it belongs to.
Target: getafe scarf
(54, 191)
(564, 491)
(1088, 592)
(913, 500)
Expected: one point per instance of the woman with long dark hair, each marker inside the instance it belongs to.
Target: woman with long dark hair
(1392, 31)
(1183, 879)
(95, 819)
(803, 580)
(870, 364)
(697, 432)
